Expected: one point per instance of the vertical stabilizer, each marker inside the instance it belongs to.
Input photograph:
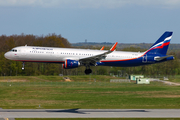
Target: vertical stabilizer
(161, 45)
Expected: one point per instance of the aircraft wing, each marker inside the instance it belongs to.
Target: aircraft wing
(161, 58)
(97, 58)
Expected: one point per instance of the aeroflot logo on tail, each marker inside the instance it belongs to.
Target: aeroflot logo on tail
(42, 48)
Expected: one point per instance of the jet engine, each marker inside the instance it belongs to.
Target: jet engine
(69, 64)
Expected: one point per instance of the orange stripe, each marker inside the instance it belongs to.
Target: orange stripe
(66, 63)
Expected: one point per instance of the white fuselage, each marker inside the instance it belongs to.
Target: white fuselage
(59, 55)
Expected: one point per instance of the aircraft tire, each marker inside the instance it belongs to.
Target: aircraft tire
(88, 71)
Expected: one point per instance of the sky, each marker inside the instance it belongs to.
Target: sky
(122, 21)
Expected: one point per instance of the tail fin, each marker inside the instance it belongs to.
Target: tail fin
(161, 45)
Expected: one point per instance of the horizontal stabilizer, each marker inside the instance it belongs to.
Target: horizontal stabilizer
(158, 58)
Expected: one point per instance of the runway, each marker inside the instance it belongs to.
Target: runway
(89, 113)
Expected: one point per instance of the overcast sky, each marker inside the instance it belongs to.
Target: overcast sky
(123, 21)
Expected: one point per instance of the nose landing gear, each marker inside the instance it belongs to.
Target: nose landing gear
(22, 65)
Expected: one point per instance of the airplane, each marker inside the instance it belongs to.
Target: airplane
(73, 58)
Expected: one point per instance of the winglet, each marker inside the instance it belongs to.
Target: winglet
(102, 48)
(113, 47)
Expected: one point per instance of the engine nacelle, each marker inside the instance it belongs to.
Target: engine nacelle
(69, 64)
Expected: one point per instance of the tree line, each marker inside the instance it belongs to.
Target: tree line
(12, 68)
(8, 67)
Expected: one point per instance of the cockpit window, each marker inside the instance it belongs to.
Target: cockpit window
(13, 50)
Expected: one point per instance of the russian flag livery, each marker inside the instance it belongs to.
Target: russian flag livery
(73, 58)
(161, 45)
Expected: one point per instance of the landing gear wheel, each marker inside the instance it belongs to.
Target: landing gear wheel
(88, 71)
(23, 66)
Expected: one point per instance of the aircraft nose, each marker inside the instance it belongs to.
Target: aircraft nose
(7, 55)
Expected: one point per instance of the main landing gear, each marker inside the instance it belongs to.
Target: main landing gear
(88, 70)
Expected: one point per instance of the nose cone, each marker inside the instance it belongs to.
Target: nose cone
(7, 55)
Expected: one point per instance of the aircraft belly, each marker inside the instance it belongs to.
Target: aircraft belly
(123, 63)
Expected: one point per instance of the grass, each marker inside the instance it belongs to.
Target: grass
(175, 79)
(59, 78)
(51, 92)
